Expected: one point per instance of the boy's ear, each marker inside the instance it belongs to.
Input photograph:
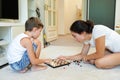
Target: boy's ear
(34, 29)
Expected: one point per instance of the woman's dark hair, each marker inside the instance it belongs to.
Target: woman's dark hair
(80, 26)
(33, 22)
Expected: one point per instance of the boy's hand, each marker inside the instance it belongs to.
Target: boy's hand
(37, 42)
(47, 60)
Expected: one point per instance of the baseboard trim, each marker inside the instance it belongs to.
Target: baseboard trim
(4, 65)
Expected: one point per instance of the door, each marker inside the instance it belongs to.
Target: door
(50, 20)
(102, 12)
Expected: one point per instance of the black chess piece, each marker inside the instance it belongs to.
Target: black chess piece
(77, 62)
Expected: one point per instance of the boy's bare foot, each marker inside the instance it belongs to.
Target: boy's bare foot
(24, 70)
(38, 67)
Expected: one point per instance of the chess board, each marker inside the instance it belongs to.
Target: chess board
(54, 63)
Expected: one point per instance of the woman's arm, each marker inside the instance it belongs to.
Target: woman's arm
(79, 56)
(100, 49)
(85, 49)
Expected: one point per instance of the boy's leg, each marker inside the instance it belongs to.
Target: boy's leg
(35, 48)
(22, 65)
(25, 61)
(37, 67)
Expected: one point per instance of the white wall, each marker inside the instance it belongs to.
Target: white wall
(117, 14)
(61, 20)
(84, 9)
(67, 14)
(71, 13)
(23, 10)
(40, 4)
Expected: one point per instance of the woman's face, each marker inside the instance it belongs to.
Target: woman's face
(79, 37)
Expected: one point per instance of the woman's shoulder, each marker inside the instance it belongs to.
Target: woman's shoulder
(101, 27)
(102, 30)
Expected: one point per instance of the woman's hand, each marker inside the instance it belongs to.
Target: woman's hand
(84, 59)
(73, 58)
(76, 57)
(62, 57)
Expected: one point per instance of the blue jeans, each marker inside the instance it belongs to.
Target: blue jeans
(24, 62)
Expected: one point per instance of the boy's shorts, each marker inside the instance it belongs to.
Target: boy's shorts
(24, 62)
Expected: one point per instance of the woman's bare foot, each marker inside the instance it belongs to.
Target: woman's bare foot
(92, 62)
(38, 67)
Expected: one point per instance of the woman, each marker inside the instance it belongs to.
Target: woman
(105, 40)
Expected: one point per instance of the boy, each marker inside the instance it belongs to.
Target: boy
(24, 51)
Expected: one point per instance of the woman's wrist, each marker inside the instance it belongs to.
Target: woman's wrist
(85, 58)
(75, 57)
(68, 57)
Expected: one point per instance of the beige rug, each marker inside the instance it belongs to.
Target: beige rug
(66, 40)
(71, 72)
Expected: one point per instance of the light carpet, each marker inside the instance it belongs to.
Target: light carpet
(71, 72)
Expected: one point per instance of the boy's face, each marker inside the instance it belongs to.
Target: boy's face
(36, 32)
